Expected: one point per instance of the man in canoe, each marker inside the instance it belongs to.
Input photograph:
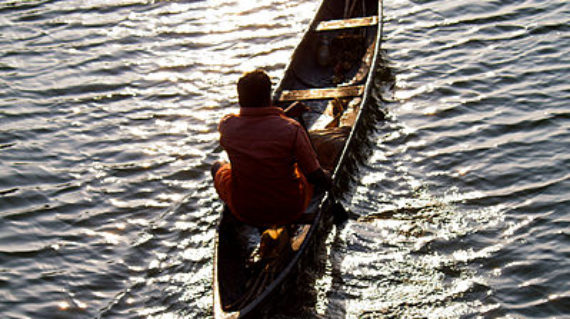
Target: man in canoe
(273, 167)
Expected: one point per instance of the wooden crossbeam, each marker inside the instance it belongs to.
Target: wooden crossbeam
(322, 94)
(347, 23)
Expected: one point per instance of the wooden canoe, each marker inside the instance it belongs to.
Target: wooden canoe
(333, 65)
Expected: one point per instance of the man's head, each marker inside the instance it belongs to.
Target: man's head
(254, 89)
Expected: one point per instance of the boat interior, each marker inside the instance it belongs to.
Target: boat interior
(333, 59)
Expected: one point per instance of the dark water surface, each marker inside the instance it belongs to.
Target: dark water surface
(108, 115)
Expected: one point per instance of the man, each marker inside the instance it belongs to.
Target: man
(273, 168)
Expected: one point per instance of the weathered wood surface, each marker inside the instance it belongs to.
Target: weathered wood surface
(321, 94)
(347, 23)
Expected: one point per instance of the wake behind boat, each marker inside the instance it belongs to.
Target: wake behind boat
(331, 72)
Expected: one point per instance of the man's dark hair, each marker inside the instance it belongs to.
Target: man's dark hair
(254, 89)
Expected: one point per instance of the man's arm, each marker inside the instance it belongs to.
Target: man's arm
(309, 163)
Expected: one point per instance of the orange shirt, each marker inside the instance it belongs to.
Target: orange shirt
(265, 148)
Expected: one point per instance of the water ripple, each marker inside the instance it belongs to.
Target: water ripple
(109, 113)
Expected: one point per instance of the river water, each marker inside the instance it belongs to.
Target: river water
(108, 116)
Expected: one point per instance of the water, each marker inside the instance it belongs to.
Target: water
(108, 115)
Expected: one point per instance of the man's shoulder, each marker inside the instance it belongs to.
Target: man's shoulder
(228, 118)
(290, 122)
(226, 122)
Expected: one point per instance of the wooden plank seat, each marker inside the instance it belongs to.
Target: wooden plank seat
(347, 23)
(322, 94)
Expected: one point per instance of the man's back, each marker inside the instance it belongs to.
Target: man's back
(265, 147)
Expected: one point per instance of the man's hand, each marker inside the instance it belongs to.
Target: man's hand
(321, 178)
(296, 109)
